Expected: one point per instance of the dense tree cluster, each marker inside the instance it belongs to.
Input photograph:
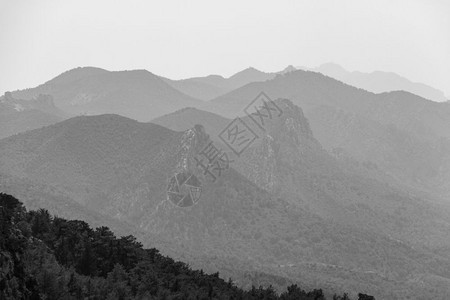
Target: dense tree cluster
(45, 257)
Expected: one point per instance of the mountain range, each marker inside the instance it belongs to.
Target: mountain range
(136, 94)
(139, 94)
(404, 134)
(379, 81)
(343, 188)
(209, 87)
(212, 86)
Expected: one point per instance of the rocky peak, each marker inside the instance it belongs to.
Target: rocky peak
(8, 96)
(288, 69)
(291, 126)
(287, 142)
(191, 142)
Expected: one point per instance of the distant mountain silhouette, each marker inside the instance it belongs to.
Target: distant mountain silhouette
(288, 69)
(312, 89)
(379, 82)
(196, 88)
(136, 94)
(212, 86)
(248, 75)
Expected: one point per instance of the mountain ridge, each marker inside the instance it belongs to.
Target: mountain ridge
(212, 86)
(138, 94)
(379, 81)
(406, 115)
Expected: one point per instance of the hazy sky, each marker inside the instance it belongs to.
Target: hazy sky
(179, 39)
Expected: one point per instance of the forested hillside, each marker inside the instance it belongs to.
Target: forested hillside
(46, 257)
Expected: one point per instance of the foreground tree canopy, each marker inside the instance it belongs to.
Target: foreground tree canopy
(46, 257)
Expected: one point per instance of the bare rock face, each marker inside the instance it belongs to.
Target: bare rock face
(18, 115)
(42, 102)
(286, 146)
(7, 96)
(191, 142)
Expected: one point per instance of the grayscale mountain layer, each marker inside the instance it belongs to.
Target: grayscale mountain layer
(137, 94)
(212, 86)
(404, 134)
(380, 82)
(187, 118)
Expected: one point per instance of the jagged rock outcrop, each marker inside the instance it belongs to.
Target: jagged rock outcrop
(191, 143)
(286, 144)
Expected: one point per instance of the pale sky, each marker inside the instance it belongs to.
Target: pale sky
(40, 39)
